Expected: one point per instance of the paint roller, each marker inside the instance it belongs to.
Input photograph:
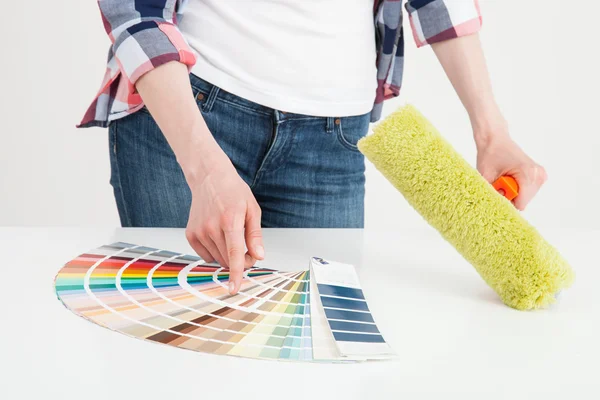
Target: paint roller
(482, 224)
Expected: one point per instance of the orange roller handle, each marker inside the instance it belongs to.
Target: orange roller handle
(507, 186)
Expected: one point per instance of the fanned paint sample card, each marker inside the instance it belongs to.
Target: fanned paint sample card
(179, 300)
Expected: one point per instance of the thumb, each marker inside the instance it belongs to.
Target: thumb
(254, 240)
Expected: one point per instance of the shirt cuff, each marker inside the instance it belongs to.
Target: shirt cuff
(147, 45)
(438, 20)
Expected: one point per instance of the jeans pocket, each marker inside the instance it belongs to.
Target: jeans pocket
(351, 129)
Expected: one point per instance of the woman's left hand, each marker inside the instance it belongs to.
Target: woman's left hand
(498, 155)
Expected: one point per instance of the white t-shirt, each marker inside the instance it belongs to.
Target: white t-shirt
(313, 57)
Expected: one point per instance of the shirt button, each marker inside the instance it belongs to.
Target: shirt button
(338, 121)
(200, 96)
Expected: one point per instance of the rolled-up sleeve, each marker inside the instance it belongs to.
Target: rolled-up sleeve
(144, 35)
(438, 20)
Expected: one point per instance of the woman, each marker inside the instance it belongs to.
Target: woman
(263, 131)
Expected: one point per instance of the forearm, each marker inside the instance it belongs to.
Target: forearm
(167, 94)
(464, 63)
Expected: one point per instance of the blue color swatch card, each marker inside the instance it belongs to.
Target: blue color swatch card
(343, 327)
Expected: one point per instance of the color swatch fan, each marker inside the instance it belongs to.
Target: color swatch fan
(180, 300)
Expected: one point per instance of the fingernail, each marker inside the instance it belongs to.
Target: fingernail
(231, 287)
(260, 251)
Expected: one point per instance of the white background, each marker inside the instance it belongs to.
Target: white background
(543, 57)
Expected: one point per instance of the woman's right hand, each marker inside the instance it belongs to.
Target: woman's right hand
(224, 220)
(225, 216)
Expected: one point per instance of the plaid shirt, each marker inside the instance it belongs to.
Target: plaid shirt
(144, 35)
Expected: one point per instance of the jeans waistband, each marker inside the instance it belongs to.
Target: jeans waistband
(199, 85)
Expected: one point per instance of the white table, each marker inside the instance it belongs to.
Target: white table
(455, 339)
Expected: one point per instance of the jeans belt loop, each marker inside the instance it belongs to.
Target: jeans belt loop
(212, 97)
(329, 124)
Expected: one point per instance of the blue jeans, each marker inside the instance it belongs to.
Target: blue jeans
(305, 172)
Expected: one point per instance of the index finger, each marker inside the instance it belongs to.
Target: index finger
(234, 240)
